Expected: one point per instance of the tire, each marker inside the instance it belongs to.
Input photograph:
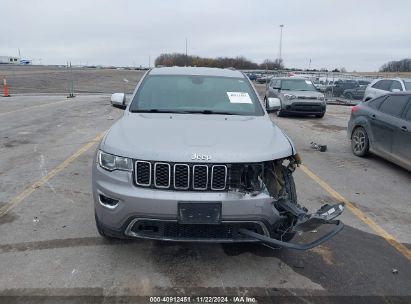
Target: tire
(360, 144)
(328, 94)
(349, 96)
(320, 115)
(280, 113)
(292, 196)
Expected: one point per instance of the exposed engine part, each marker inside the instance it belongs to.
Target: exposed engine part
(247, 177)
(253, 178)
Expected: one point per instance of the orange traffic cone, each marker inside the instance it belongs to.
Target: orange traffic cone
(6, 88)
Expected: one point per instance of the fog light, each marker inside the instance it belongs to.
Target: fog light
(108, 202)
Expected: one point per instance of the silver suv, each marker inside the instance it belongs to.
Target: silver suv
(383, 86)
(195, 157)
(297, 96)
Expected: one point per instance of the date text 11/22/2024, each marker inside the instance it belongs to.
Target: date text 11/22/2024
(203, 299)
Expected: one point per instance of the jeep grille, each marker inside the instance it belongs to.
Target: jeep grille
(177, 176)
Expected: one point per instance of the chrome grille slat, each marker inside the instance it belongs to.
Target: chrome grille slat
(181, 176)
(141, 174)
(199, 178)
(162, 175)
(218, 177)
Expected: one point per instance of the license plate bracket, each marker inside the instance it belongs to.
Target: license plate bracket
(199, 213)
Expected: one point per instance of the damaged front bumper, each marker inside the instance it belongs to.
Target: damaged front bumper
(305, 222)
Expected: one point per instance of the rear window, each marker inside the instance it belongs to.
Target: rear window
(375, 103)
(186, 93)
(394, 105)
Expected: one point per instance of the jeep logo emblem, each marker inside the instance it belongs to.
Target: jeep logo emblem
(196, 156)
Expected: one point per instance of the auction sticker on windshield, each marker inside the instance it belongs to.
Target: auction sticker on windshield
(239, 97)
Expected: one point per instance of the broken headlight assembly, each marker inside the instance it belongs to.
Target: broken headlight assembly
(275, 177)
(112, 162)
(253, 178)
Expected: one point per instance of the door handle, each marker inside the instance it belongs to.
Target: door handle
(404, 128)
(373, 117)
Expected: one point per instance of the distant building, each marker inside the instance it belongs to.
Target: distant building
(9, 60)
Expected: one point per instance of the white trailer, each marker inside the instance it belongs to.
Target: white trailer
(9, 60)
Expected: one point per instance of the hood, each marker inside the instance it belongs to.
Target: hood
(304, 94)
(176, 137)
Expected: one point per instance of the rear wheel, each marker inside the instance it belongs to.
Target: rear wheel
(349, 96)
(360, 144)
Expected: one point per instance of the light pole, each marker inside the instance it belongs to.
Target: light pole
(281, 42)
(186, 53)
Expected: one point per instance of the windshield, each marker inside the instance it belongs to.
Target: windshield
(407, 85)
(297, 85)
(196, 94)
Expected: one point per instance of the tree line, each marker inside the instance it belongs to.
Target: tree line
(403, 65)
(239, 62)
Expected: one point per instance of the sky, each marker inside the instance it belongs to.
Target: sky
(359, 35)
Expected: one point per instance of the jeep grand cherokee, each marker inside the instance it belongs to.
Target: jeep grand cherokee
(195, 157)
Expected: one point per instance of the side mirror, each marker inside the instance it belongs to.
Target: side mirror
(274, 104)
(118, 99)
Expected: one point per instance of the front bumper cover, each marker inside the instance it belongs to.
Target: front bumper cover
(306, 222)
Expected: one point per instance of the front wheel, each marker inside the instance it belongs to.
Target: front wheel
(360, 143)
(320, 115)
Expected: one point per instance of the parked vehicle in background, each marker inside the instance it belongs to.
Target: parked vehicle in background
(363, 82)
(264, 78)
(176, 166)
(340, 86)
(382, 86)
(356, 93)
(297, 96)
(252, 76)
(382, 126)
(325, 82)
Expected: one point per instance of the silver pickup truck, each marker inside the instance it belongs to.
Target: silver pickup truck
(196, 157)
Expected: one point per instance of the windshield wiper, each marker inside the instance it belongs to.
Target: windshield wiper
(157, 111)
(209, 112)
(182, 111)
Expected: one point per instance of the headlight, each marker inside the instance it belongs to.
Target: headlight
(290, 96)
(321, 97)
(112, 162)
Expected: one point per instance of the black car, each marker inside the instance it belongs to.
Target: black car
(382, 126)
(340, 86)
(356, 93)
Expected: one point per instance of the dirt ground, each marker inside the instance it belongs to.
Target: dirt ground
(57, 80)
